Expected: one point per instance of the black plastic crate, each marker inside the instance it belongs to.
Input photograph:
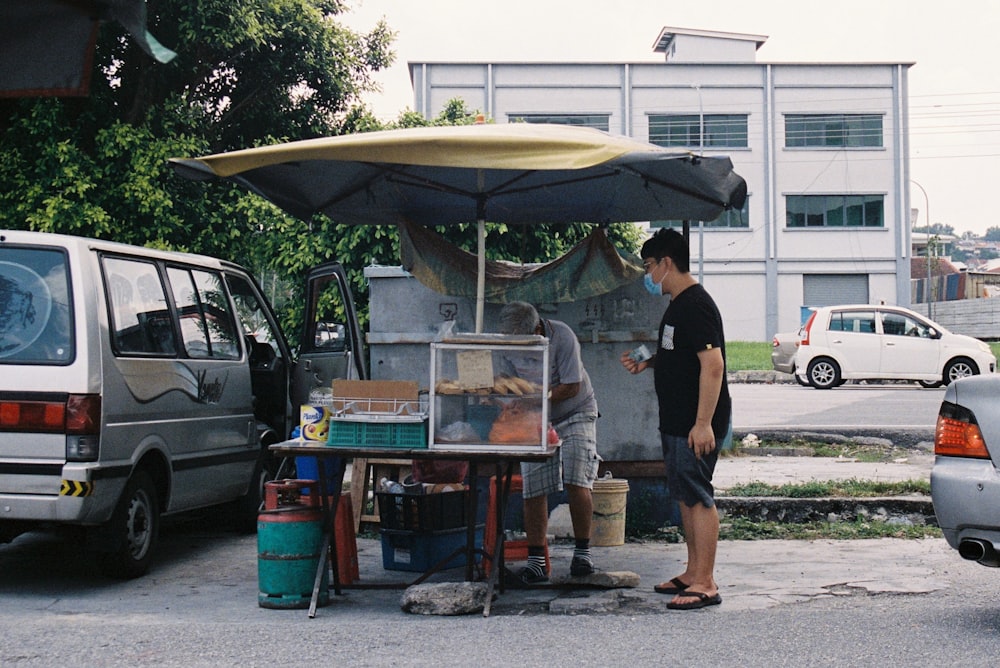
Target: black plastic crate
(422, 512)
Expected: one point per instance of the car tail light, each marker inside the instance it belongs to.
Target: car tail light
(805, 330)
(774, 342)
(957, 433)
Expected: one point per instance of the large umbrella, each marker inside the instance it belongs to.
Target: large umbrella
(512, 173)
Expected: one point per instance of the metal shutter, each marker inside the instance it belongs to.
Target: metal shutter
(833, 289)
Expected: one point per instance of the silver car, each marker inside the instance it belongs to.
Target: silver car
(784, 345)
(965, 480)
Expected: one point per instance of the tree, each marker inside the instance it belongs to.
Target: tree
(992, 233)
(248, 73)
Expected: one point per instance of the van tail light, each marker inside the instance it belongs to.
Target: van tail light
(808, 328)
(957, 433)
(78, 416)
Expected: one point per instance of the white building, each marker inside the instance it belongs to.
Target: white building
(823, 147)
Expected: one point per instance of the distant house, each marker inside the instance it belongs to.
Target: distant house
(823, 146)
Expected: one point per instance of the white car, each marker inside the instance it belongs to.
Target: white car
(865, 341)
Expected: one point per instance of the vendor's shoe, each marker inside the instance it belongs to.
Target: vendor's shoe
(532, 576)
(581, 566)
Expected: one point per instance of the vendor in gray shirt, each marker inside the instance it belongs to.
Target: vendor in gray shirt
(573, 413)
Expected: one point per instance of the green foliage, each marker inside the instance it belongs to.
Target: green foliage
(248, 73)
(832, 488)
(745, 529)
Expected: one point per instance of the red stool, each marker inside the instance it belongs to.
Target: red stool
(513, 550)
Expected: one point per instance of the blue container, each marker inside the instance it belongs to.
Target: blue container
(289, 550)
(419, 551)
(307, 468)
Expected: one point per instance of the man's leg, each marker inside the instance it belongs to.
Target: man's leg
(701, 534)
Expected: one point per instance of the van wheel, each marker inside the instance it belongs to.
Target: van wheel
(960, 367)
(133, 529)
(823, 373)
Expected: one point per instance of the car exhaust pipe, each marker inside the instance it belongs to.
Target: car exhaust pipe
(981, 551)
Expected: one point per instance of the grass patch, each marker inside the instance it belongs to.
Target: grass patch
(862, 452)
(744, 529)
(833, 488)
(748, 356)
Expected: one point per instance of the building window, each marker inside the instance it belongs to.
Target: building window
(834, 211)
(833, 131)
(720, 130)
(597, 121)
(731, 218)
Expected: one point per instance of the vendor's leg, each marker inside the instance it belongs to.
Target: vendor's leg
(581, 510)
(538, 480)
(580, 465)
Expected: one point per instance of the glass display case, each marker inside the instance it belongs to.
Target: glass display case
(489, 392)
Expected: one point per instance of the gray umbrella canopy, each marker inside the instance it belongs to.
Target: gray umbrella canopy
(511, 173)
(514, 173)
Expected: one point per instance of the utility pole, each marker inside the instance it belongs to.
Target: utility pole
(927, 218)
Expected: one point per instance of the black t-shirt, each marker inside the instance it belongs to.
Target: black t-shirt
(691, 323)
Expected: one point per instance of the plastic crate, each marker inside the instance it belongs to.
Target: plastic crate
(374, 434)
(421, 551)
(422, 512)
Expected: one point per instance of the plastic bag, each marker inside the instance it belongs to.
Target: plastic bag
(517, 425)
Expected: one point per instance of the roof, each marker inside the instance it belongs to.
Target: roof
(668, 34)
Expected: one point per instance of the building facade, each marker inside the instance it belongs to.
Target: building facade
(823, 148)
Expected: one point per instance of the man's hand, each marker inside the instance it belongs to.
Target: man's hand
(632, 366)
(701, 439)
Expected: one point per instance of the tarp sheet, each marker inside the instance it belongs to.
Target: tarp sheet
(591, 268)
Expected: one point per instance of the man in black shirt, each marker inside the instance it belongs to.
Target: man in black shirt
(689, 372)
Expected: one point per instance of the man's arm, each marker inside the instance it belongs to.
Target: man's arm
(701, 438)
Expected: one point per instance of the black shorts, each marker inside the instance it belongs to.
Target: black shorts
(689, 479)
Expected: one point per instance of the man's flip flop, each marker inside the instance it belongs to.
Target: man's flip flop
(675, 586)
(703, 600)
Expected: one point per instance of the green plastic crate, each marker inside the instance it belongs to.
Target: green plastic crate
(387, 434)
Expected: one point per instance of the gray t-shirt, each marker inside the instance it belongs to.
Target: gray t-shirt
(567, 367)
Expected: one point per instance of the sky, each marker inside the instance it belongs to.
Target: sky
(954, 100)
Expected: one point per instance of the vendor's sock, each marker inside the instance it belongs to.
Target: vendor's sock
(536, 559)
(582, 549)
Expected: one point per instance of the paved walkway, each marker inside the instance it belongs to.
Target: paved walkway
(751, 574)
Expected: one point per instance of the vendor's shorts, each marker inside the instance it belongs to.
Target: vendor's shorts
(689, 479)
(576, 464)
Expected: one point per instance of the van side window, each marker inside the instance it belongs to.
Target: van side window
(207, 326)
(140, 321)
(258, 330)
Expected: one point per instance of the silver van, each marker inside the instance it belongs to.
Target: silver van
(136, 382)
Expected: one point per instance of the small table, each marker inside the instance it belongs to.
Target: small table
(504, 466)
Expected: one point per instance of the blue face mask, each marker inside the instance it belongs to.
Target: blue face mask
(652, 287)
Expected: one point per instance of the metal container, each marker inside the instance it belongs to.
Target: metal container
(290, 547)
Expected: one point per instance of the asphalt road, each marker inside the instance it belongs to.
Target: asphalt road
(899, 407)
(198, 606)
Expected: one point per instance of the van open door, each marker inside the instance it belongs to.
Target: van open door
(331, 346)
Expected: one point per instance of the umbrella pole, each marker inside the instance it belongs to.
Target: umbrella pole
(481, 274)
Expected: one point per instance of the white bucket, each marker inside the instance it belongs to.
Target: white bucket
(610, 499)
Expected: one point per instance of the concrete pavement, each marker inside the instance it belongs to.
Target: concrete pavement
(751, 574)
